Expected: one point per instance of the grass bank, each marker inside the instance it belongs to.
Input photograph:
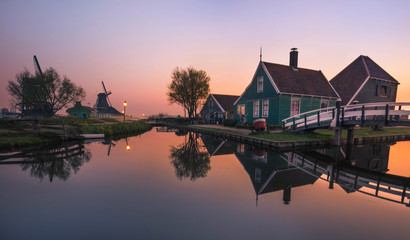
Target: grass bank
(11, 138)
(118, 129)
(317, 135)
(329, 134)
(15, 142)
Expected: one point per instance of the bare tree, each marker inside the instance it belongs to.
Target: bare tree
(187, 88)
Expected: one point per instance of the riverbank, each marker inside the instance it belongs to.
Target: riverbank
(285, 140)
(21, 135)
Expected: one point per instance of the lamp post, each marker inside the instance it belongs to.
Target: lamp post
(125, 105)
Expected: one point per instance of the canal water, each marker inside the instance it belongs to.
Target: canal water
(178, 185)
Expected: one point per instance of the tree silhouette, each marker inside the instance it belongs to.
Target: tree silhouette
(187, 88)
(188, 160)
(57, 162)
(46, 92)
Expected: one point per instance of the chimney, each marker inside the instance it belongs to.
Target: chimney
(293, 61)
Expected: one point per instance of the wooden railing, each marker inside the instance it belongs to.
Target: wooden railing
(381, 185)
(383, 113)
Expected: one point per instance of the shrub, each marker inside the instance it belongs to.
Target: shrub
(230, 123)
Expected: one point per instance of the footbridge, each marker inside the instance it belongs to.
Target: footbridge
(381, 185)
(379, 114)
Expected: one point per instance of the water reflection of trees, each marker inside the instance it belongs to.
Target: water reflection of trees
(58, 162)
(189, 160)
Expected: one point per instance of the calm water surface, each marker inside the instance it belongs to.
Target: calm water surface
(195, 187)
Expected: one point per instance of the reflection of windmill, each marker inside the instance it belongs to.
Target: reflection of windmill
(103, 104)
(109, 143)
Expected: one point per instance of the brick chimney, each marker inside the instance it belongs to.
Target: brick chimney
(293, 61)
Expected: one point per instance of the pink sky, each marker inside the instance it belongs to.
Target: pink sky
(133, 46)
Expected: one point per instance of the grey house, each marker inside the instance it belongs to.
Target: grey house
(363, 81)
(217, 108)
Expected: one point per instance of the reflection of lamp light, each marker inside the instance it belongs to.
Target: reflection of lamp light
(128, 146)
(125, 105)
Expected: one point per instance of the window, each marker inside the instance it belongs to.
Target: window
(324, 103)
(260, 85)
(294, 106)
(258, 175)
(265, 108)
(242, 109)
(241, 148)
(382, 90)
(238, 109)
(256, 108)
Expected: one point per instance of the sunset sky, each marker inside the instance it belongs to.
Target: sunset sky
(133, 46)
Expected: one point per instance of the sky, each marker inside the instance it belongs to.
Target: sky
(133, 46)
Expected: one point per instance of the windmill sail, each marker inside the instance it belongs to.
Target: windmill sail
(37, 65)
(103, 104)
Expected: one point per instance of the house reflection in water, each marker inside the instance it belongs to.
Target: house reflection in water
(363, 169)
(355, 169)
(271, 173)
(217, 146)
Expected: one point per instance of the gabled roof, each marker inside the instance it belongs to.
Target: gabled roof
(225, 101)
(79, 106)
(348, 82)
(299, 80)
(281, 179)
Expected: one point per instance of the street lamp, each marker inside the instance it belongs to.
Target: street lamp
(125, 105)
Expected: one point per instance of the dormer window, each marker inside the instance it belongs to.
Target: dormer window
(260, 85)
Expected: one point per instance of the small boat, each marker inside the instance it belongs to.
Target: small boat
(259, 124)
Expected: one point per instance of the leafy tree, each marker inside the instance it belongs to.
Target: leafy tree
(46, 93)
(187, 88)
(188, 160)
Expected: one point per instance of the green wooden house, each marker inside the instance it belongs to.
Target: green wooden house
(279, 91)
(364, 81)
(80, 111)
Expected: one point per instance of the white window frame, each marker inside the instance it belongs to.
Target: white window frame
(259, 87)
(292, 112)
(265, 112)
(256, 106)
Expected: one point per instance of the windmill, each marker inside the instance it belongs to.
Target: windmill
(103, 104)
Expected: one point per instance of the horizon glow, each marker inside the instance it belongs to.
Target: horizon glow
(133, 46)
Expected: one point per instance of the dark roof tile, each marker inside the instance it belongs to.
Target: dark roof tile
(226, 101)
(349, 80)
(300, 80)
